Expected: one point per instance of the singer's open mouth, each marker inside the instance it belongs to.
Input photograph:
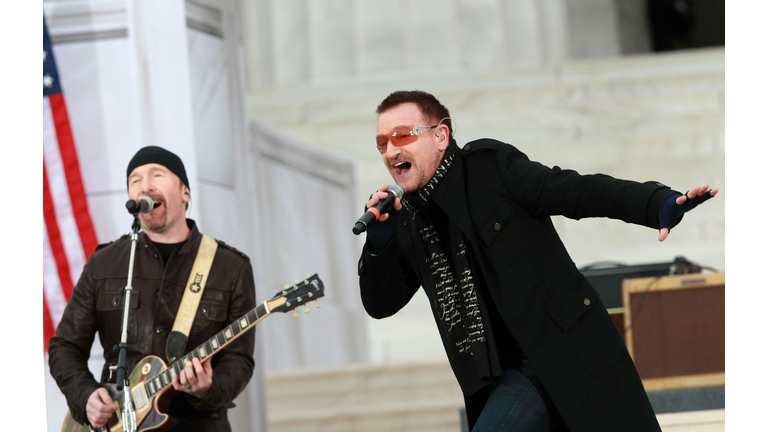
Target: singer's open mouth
(402, 167)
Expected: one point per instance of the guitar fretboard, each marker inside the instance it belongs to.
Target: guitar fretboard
(207, 349)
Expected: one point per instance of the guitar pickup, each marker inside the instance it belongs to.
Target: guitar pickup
(139, 396)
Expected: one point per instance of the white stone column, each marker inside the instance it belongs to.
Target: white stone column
(524, 41)
(290, 40)
(331, 28)
(593, 28)
(225, 179)
(257, 43)
(158, 41)
(554, 31)
(634, 28)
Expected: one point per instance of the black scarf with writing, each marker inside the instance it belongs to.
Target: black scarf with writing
(447, 272)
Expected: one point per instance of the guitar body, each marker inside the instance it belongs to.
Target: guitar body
(150, 414)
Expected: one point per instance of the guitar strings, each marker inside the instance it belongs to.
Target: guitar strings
(164, 378)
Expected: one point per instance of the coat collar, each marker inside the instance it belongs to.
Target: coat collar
(451, 195)
(190, 244)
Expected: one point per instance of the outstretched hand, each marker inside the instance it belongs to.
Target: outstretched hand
(668, 216)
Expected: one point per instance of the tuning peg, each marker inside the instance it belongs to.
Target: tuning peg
(306, 309)
(308, 275)
(297, 281)
(287, 286)
(317, 304)
(295, 313)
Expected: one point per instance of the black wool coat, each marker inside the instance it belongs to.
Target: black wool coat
(502, 202)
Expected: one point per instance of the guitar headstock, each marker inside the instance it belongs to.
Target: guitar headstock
(291, 297)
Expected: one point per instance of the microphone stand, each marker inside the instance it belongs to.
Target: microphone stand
(129, 412)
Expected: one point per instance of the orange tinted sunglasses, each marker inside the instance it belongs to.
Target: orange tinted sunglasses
(401, 136)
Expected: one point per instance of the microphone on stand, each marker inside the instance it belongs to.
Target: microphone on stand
(372, 214)
(143, 205)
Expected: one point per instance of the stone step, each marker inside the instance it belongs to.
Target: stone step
(403, 416)
(640, 68)
(693, 421)
(360, 386)
(544, 106)
(555, 130)
(681, 95)
(435, 416)
(401, 397)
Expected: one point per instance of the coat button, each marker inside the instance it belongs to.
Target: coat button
(158, 329)
(587, 302)
(205, 311)
(116, 302)
(154, 255)
(405, 223)
(497, 226)
(467, 147)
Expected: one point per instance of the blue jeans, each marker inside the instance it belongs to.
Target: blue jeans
(518, 402)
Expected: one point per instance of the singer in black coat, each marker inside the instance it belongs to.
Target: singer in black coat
(502, 202)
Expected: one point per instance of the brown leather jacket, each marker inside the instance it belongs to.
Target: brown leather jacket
(96, 306)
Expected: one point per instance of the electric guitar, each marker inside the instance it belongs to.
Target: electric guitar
(150, 380)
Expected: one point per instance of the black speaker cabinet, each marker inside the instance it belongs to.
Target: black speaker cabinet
(607, 277)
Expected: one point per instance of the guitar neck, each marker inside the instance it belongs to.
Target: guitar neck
(210, 347)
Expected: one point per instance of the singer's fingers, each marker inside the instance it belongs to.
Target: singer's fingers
(376, 197)
(373, 201)
(397, 205)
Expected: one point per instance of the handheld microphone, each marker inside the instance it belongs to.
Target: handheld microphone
(143, 205)
(372, 214)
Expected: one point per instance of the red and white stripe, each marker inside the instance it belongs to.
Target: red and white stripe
(68, 233)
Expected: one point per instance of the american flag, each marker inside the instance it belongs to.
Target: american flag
(68, 234)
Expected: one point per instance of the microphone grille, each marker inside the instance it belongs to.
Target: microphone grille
(397, 190)
(150, 203)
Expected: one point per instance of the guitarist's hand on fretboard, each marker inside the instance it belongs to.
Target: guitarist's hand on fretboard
(195, 379)
(99, 408)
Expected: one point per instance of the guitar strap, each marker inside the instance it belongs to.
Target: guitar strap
(177, 340)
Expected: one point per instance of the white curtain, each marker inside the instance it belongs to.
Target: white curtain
(306, 210)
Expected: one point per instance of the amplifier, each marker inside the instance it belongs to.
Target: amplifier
(607, 277)
(675, 330)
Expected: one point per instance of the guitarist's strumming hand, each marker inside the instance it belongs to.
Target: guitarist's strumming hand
(195, 379)
(99, 408)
